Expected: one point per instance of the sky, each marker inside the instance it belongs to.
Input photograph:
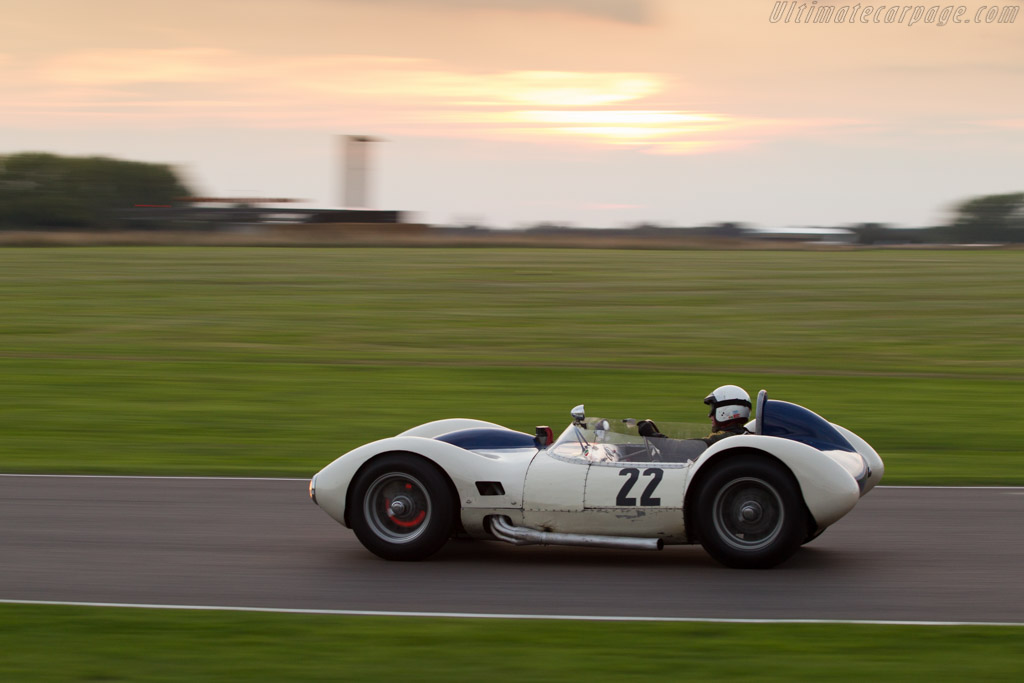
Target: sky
(507, 113)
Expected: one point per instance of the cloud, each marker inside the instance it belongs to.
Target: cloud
(382, 96)
(392, 82)
(424, 82)
(127, 66)
(1013, 124)
(627, 11)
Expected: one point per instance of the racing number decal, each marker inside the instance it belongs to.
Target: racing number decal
(621, 500)
(646, 499)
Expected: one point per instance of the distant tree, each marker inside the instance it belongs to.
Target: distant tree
(729, 229)
(646, 228)
(871, 233)
(48, 191)
(992, 218)
(547, 228)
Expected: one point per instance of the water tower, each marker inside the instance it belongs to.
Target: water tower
(355, 151)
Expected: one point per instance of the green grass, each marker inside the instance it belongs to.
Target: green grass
(272, 361)
(108, 644)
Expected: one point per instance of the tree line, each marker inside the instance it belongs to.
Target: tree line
(47, 191)
(41, 191)
(990, 219)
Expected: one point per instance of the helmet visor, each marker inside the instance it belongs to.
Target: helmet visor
(710, 400)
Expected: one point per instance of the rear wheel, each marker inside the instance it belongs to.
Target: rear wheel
(749, 513)
(401, 507)
(812, 535)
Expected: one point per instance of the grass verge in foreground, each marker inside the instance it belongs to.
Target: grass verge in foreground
(44, 643)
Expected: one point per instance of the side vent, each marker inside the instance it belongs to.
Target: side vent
(490, 488)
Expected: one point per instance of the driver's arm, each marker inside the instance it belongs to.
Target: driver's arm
(649, 430)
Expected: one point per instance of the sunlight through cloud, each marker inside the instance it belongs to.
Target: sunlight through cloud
(385, 95)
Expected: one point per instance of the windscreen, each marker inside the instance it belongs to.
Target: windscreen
(617, 440)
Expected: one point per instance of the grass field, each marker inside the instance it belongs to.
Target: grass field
(272, 361)
(111, 644)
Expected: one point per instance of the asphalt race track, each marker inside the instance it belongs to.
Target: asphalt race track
(904, 554)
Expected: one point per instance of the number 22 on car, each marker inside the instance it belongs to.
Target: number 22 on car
(649, 495)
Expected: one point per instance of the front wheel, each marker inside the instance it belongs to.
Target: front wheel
(749, 513)
(401, 507)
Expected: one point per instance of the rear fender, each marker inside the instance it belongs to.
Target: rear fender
(828, 490)
(871, 457)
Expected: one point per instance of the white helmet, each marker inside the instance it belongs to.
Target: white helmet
(728, 402)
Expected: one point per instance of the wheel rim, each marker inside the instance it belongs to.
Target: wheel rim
(397, 507)
(748, 514)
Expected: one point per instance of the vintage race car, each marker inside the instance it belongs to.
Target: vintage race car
(751, 500)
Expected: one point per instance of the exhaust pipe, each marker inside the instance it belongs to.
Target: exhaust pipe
(504, 530)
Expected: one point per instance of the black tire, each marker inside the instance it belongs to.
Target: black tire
(750, 514)
(812, 535)
(401, 507)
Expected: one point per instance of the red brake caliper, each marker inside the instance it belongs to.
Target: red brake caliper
(407, 524)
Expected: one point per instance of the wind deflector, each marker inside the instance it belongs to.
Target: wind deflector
(790, 421)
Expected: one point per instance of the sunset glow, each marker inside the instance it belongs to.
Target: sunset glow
(386, 93)
(567, 89)
(495, 96)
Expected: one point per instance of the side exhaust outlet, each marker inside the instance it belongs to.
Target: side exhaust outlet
(504, 530)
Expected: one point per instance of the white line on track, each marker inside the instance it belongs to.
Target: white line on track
(534, 617)
(306, 479)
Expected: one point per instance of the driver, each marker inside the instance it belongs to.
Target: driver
(730, 411)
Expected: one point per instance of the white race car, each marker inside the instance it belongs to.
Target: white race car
(751, 500)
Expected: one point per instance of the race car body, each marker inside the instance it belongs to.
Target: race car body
(751, 500)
